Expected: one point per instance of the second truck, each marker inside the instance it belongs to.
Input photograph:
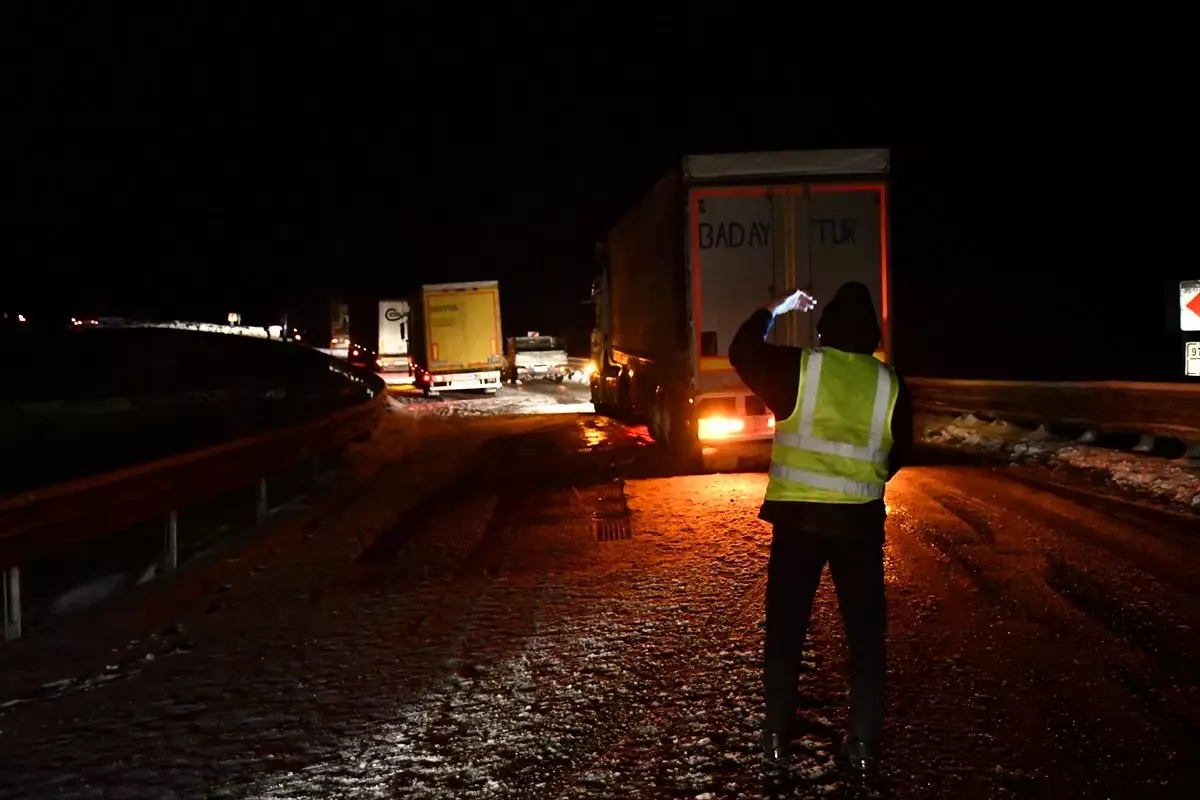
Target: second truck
(455, 342)
(714, 239)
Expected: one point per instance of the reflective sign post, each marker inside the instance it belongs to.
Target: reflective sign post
(1189, 305)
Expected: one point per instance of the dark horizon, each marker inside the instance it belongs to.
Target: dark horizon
(305, 158)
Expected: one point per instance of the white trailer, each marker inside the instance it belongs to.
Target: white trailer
(392, 360)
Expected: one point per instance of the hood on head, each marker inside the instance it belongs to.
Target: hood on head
(849, 321)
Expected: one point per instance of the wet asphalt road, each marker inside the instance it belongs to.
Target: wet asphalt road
(445, 622)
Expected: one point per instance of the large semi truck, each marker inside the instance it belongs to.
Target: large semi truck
(339, 328)
(391, 360)
(455, 340)
(714, 239)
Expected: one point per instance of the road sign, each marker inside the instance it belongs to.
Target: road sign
(1191, 362)
(1189, 305)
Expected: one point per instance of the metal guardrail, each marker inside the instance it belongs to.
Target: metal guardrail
(179, 325)
(49, 520)
(1150, 409)
(52, 519)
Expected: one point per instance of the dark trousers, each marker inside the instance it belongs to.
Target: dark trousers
(797, 559)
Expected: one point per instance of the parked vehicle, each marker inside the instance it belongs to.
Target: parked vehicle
(712, 240)
(454, 337)
(533, 356)
(392, 362)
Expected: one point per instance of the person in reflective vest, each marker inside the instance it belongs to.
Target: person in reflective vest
(844, 428)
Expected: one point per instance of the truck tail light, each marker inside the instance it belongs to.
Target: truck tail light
(719, 427)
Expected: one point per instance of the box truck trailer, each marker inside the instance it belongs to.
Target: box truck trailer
(715, 238)
(455, 339)
(391, 359)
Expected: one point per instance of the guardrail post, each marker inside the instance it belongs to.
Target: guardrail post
(260, 512)
(12, 603)
(1191, 456)
(170, 557)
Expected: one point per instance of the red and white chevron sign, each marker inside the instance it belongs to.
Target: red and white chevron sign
(1189, 305)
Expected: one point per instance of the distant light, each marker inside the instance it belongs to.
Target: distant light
(234, 318)
(275, 330)
(21, 318)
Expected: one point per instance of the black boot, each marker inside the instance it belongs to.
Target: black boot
(861, 758)
(776, 746)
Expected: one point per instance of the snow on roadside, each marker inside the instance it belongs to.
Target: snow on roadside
(1159, 478)
(509, 401)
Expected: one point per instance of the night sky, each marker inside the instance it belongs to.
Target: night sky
(1043, 210)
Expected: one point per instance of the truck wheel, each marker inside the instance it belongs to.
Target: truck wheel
(624, 397)
(598, 398)
(654, 422)
(679, 438)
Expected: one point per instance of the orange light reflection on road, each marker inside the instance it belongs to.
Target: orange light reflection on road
(603, 433)
(593, 436)
(899, 525)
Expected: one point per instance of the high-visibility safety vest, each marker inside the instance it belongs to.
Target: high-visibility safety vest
(834, 447)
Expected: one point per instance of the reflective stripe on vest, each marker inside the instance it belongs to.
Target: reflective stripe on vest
(827, 482)
(808, 467)
(804, 440)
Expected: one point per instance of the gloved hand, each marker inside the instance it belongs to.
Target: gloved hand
(796, 299)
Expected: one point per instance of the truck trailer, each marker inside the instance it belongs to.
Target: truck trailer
(455, 340)
(715, 238)
(339, 328)
(391, 360)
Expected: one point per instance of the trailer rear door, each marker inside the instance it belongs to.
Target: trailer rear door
(733, 264)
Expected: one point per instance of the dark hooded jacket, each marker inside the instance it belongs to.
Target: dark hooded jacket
(772, 372)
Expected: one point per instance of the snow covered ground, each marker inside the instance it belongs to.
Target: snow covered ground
(536, 397)
(638, 675)
(1161, 479)
(483, 643)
